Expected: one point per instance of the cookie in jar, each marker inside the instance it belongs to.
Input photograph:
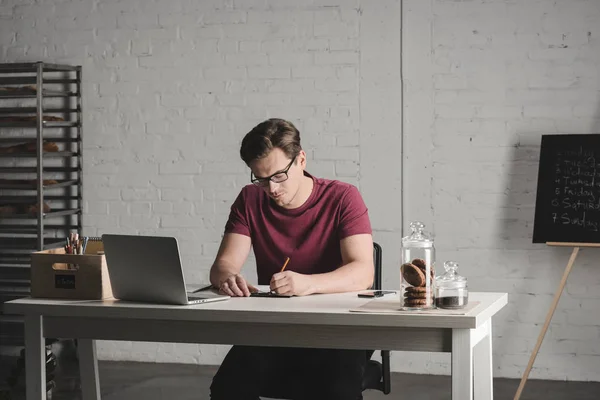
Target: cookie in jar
(417, 271)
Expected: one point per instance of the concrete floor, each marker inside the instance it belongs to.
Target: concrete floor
(130, 380)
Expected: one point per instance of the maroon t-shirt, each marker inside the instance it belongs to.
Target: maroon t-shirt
(310, 234)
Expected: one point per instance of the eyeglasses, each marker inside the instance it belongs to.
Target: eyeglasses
(277, 177)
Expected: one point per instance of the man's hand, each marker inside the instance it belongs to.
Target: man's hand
(236, 286)
(289, 282)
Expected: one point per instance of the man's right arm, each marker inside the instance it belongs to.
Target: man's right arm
(225, 271)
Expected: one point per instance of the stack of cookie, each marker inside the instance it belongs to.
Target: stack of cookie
(420, 293)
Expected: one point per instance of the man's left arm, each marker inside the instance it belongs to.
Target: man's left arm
(356, 272)
(356, 247)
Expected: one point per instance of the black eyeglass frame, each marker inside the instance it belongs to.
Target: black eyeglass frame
(263, 182)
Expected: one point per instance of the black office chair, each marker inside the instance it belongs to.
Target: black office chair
(377, 374)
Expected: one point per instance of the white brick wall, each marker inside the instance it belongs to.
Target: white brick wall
(172, 86)
(483, 81)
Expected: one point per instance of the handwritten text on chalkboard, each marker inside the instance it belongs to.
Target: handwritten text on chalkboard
(577, 185)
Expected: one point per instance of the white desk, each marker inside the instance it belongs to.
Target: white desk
(312, 321)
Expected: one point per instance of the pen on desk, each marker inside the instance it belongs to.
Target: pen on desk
(285, 264)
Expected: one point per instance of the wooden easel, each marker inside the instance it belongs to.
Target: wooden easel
(557, 295)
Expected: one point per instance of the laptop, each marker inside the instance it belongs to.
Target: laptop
(148, 269)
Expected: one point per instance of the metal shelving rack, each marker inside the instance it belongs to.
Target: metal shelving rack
(25, 175)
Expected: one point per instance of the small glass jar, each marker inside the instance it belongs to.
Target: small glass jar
(451, 288)
(417, 270)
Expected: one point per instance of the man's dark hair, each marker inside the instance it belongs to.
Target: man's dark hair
(266, 136)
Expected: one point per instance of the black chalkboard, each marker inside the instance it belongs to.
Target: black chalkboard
(567, 207)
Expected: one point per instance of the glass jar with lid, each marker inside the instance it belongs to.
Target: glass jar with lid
(451, 288)
(417, 272)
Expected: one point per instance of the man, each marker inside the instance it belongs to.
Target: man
(323, 227)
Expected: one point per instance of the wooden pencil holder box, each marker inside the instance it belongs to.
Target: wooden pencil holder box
(57, 275)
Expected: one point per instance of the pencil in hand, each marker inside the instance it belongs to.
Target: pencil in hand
(285, 264)
(282, 269)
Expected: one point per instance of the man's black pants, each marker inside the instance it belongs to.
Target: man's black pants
(293, 373)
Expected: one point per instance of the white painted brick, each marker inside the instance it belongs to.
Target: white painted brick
(34, 11)
(246, 31)
(6, 11)
(291, 112)
(288, 4)
(292, 59)
(135, 222)
(335, 29)
(231, 99)
(176, 195)
(346, 168)
(341, 57)
(337, 85)
(179, 167)
(250, 46)
(172, 181)
(162, 33)
(118, 208)
(343, 44)
(450, 81)
(182, 208)
(327, 14)
(308, 44)
(152, 61)
(269, 72)
(175, 19)
(247, 86)
(542, 111)
(101, 222)
(123, 180)
(245, 59)
(336, 153)
(161, 207)
(225, 73)
(180, 100)
(129, 194)
(224, 17)
(137, 20)
(181, 221)
(95, 207)
(203, 32)
(272, 45)
(313, 72)
(227, 46)
(280, 16)
(268, 99)
(226, 167)
(289, 31)
(250, 4)
(16, 52)
(346, 126)
(140, 208)
(140, 47)
(505, 112)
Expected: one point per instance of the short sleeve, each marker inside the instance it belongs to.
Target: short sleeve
(238, 217)
(354, 215)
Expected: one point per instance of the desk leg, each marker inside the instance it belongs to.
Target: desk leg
(35, 358)
(88, 369)
(462, 365)
(482, 353)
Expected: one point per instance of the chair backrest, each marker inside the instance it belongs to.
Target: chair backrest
(377, 261)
